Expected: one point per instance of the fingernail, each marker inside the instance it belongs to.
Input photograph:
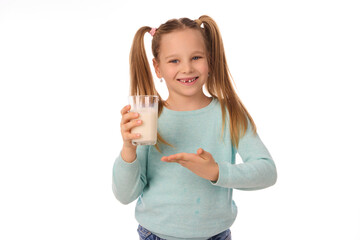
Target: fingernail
(138, 121)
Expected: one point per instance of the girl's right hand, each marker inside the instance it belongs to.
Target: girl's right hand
(128, 121)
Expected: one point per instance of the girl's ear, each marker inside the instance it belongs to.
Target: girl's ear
(157, 69)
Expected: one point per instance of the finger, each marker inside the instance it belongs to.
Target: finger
(128, 117)
(202, 153)
(183, 156)
(125, 109)
(172, 158)
(131, 136)
(178, 156)
(128, 126)
(166, 159)
(179, 161)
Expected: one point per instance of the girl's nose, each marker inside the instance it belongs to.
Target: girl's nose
(187, 67)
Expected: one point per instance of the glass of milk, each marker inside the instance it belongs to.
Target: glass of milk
(147, 107)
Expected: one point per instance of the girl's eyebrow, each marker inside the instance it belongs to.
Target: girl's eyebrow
(198, 52)
(171, 56)
(176, 55)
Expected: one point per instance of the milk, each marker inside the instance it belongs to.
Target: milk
(147, 107)
(148, 128)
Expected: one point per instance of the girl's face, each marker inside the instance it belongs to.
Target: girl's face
(183, 63)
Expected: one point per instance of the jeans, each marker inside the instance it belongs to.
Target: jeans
(147, 235)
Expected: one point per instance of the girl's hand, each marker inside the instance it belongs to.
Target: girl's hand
(202, 163)
(128, 121)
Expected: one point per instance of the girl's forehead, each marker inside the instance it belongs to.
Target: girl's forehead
(182, 40)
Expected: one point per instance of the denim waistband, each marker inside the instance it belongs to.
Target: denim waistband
(147, 235)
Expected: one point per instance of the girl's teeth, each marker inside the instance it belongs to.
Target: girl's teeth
(189, 81)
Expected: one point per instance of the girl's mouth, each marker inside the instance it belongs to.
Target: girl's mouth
(187, 81)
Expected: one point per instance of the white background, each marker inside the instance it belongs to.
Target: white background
(64, 75)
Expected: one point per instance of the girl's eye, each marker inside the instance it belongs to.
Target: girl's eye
(174, 61)
(196, 58)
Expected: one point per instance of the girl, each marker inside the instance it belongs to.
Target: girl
(184, 183)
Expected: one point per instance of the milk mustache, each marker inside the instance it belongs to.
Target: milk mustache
(147, 107)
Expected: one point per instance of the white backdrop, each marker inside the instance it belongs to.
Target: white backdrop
(65, 76)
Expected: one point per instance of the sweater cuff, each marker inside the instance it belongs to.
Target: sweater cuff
(120, 163)
(223, 175)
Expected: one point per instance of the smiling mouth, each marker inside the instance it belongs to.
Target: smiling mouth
(187, 80)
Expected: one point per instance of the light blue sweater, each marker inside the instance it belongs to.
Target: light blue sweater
(173, 202)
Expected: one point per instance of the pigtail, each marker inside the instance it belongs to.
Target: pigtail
(217, 60)
(220, 84)
(141, 79)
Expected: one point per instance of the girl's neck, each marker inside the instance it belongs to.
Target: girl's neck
(182, 103)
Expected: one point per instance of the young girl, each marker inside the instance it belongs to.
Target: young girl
(184, 183)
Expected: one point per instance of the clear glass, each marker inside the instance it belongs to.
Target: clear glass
(147, 107)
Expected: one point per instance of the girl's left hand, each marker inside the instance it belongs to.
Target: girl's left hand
(202, 163)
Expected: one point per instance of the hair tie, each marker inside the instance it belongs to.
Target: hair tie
(152, 31)
(198, 21)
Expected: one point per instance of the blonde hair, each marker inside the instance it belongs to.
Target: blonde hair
(219, 84)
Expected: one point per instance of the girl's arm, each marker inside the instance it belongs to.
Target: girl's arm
(129, 179)
(257, 171)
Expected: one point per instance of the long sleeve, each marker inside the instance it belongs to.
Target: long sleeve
(176, 203)
(129, 179)
(257, 171)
